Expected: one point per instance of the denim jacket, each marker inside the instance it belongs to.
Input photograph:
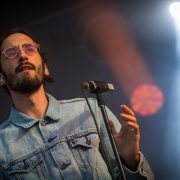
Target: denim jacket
(62, 145)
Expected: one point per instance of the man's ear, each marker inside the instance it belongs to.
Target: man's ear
(46, 70)
(2, 79)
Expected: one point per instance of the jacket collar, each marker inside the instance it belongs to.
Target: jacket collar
(25, 121)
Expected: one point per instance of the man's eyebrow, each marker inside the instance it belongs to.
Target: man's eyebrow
(11, 46)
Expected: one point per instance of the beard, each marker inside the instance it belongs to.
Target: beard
(25, 84)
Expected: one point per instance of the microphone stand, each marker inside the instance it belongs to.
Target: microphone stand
(101, 104)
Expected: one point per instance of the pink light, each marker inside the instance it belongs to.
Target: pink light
(147, 99)
(108, 30)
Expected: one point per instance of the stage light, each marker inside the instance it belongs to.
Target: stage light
(110, 34)
(175, 10)
(175, 13)
(147, 99)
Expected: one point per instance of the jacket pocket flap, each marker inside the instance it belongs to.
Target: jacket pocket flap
(88, 140)
(24, 165)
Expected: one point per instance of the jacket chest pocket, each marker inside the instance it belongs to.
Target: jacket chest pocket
(85, 148)
(29, 168)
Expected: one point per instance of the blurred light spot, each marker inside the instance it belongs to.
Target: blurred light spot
(106, 28)
(175, 10)
(147, 99)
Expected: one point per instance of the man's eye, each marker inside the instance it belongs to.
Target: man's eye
(30, 47)
(10, 52)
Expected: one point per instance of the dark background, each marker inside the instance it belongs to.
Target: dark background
(59, 27)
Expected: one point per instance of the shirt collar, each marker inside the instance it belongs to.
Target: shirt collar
(25, 121)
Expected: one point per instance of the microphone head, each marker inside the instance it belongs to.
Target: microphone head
(86, 85)
(97, 86)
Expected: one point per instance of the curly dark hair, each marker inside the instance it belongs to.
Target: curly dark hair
(21, 30)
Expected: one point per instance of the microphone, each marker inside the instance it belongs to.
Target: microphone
(98, 87)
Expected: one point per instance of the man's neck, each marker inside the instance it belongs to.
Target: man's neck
(34, 104)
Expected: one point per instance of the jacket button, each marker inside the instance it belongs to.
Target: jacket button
(88, 141)
(65, 164)
(43, 122)
(51, 139)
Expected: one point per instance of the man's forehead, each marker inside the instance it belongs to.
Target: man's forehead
(15, 39)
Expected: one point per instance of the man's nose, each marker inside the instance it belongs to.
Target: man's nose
(22, 54)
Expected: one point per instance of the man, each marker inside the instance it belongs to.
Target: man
(44, 138)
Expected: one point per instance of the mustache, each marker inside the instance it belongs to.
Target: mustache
(30, 65)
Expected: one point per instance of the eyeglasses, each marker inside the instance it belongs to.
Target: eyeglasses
(12, 52)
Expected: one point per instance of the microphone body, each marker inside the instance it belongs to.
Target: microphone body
(98, 87)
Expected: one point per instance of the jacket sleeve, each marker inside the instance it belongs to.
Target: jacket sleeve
(143, 171)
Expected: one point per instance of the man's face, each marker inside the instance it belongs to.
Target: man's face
(24, 73)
